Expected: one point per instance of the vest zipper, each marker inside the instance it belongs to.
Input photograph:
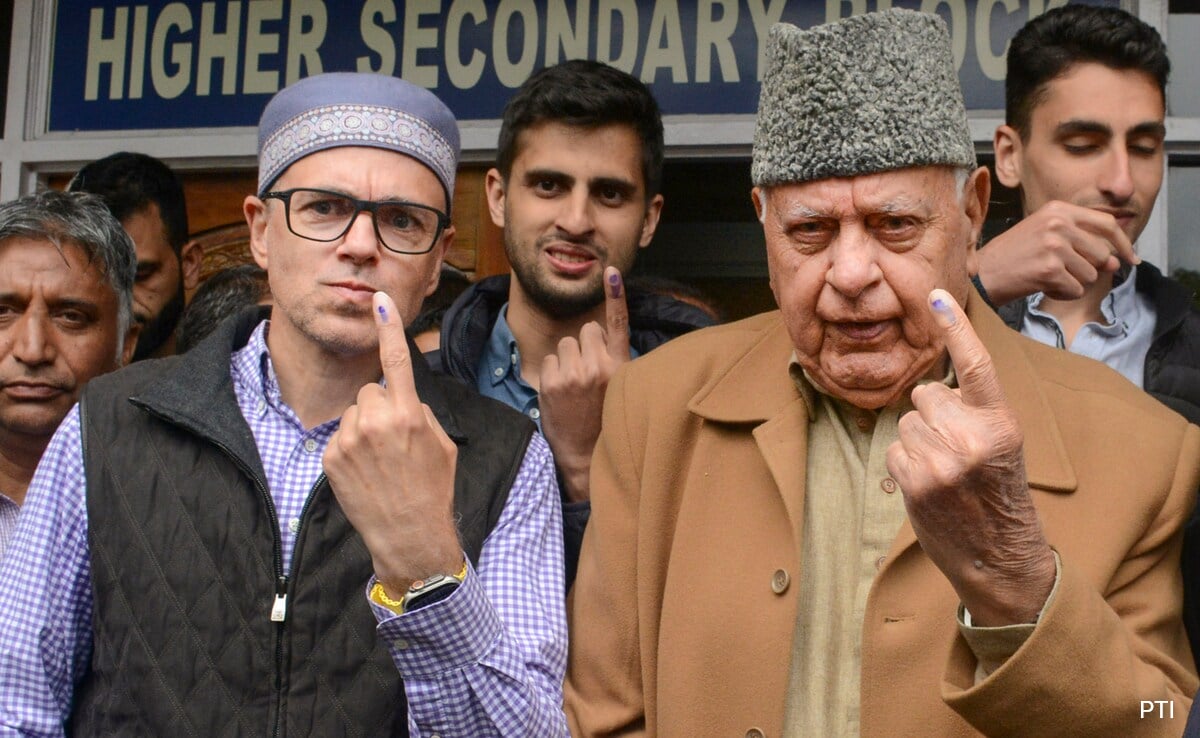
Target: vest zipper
(281, 591)
(281, 581)
(279, 609)
(279, 601)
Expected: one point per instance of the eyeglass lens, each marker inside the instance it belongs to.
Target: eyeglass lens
(326, 216)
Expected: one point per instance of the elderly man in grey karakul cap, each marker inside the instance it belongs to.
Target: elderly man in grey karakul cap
(299, 528)
(877, 510)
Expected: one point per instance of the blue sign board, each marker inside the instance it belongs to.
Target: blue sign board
(121, 65)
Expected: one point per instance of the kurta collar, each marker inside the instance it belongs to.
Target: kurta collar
(753, 387)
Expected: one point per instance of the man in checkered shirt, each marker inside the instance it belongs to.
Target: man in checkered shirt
(296, 528)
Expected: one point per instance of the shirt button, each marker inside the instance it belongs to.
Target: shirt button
(780, 581)
(863, 422)
(310, 445)
(261, 407)
(535, 413)
(754, 733)
(879, 562)
(400, 644)
(498, 371)
(888, 484)
(294, 525)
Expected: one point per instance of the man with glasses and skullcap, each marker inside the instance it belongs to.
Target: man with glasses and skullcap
(299, 529)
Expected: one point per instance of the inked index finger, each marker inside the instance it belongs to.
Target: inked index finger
(394, 356)
(973, 366)
(616, 315)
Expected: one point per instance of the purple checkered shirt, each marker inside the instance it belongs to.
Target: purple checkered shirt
(488, 660)
(8, 521)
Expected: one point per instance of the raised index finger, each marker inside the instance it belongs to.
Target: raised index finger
(977, 380)
(616, 315)
(394, 356)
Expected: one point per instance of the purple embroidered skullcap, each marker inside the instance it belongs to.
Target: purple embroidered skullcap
(350, 109)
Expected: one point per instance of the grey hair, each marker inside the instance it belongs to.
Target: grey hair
(84, 220)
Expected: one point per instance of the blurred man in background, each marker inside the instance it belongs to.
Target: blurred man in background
(146, 196)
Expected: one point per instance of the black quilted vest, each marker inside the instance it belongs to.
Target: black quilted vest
(185, 557)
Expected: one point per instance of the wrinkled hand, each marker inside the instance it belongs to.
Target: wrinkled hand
(961, 466)
(392, 467)
(1060, 249)
(573, 381)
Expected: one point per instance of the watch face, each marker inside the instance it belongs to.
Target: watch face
(429, 591)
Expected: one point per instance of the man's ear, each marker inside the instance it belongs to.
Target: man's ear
(759, 198)
(131, 339)
(256, 214)
(975, 205)
(495, 185)
(1007, 144)
(191, 256)
(445, 241)
(650, 222)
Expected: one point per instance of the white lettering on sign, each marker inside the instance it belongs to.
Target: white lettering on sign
(510, 72)
(307, 26)
(108, 52)
(714, 36)
(376, 37)
(562, 33)
(259, 44)
(665, 48)
(239, 47)
(175, 17)
(627, 39)
(223, 46)
(417, 38)
(764, 16)
(462, 75)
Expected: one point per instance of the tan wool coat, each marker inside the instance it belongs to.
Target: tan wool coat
(684, 609)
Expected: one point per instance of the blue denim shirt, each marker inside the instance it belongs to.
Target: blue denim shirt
(499, 371)
(1121, 341)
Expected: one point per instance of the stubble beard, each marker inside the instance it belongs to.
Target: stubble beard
(541, 289)
(158, 330)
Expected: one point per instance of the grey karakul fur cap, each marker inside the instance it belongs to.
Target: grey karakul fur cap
(870, 93)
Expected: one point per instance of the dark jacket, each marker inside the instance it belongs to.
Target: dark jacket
(653, 320)
(187, 560)
(1172, 375)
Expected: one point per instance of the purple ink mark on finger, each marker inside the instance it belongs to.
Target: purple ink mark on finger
(614, 282)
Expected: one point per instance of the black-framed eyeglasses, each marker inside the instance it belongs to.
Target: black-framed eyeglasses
(321, 215)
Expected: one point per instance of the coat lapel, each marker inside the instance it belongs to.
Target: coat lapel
(1047, 465)
(754, 388)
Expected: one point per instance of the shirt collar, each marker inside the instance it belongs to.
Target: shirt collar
(502, 347)
(1121, 306)
(1118, 308)
(252, 365)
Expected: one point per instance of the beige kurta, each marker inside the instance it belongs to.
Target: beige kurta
(852, 512)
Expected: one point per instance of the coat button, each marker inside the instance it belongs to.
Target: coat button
(888, 484)
(779, 583)
(754, 733)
